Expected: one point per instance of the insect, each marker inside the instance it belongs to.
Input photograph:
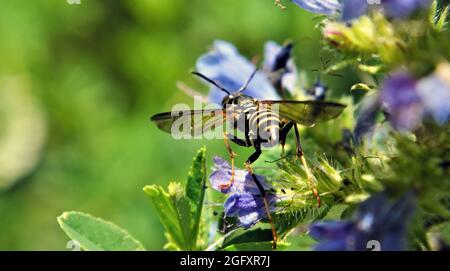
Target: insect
(264, 123)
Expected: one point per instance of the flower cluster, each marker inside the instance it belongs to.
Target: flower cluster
(406, 97)
(244, 198)
(376, 219)
(353, 9)
(409, 100)
(226, 66)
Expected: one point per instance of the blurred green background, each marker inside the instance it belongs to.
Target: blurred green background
(77, 86)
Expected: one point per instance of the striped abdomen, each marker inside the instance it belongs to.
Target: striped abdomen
(264, 126)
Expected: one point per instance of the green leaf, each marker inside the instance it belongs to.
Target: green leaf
(432, 14)
(179, 209)
(258, 238)
(336, 212)
(444, 230)
(340, 65)
(167, 214)
(371, 69)
(195, 190)
(285, 222)
(441, 22)
(96, 234)
(258, 233)
(438, 236)
(301, 242)
(183, 214)
(348, 212)
(438, 17)
(362, 86)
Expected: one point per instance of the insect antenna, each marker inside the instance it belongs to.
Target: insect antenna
(249, 80)
(211, 81)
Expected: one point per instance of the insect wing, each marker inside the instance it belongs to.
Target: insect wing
(306, 113)
(192, 122)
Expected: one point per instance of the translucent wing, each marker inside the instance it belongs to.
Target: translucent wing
(306, 112)
(194, 122)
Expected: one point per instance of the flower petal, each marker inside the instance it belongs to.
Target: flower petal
(249, 219)
(330, 230)
(376, 219)
(333, 245)
(221, 176)
(399, 95)
(435, 94)
(251, 187)
(280, 67)
(326, 7)
(227, 67)
(276, 56)
(231, 206)
(242, 182)
(370, 106)
(220, 163)
(353, 9)
(403, 8)
(241, 204)
(249, 208)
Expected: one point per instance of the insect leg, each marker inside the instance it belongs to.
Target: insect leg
(283, 134)
(299, 154)
(263, 193)
(232, 155)
(238, 141)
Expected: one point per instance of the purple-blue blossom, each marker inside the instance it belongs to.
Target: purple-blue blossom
(318, 91)
(369, 109)
(376, 219)
(400, 98)
(244, 201)
(226, 66)
(248, 208)
(353, 9)
(326, 7)
(434, 91)
(409, 100)
(243, 181)
(403, 8)
(279, 67)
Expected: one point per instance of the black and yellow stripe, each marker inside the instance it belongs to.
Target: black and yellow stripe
(264, 125)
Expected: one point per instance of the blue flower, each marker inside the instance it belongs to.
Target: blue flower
(404, 105)
(403, 8)
(435, 93)
(227, 67)
(245, 201)
(279, 67)
(248, 208)
(318, 91)
(370, 106)
(353, 9)
(243, 181)
(326, 7)
(376, 219)
(408, 101)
